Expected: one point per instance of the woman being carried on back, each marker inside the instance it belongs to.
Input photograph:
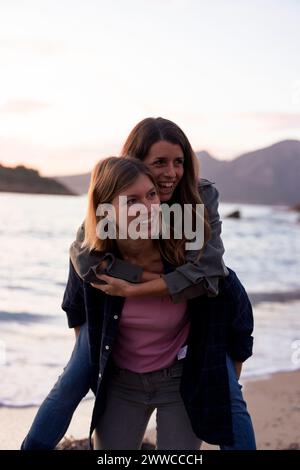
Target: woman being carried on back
(170, 159)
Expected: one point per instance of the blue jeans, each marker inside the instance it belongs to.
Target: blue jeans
(243, 433)
(55, 413)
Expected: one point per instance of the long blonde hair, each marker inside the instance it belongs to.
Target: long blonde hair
(109, 178)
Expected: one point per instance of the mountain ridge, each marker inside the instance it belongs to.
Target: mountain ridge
(269, 175)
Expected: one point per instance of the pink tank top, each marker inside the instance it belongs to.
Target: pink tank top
(151, 332)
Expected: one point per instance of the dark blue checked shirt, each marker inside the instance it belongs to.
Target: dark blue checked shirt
(219, 325)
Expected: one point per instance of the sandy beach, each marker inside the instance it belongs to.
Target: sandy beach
(274, 404)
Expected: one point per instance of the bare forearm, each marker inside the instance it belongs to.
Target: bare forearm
(155, 288)
(149, 276)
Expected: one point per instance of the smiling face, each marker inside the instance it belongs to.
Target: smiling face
(165, 161)
(141, 192)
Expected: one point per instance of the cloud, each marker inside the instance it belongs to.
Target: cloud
(23, 106)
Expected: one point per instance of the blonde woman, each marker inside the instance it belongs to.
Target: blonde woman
(151, 353)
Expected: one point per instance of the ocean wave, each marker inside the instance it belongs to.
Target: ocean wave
(15, 287)
(287, 296)
(25, 317)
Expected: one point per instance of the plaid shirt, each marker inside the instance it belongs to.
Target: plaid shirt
(219, 325)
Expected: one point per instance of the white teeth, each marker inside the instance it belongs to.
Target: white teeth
(166, 185)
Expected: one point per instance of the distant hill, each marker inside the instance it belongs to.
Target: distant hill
(76, 183)
(267, 176)
(26, 180)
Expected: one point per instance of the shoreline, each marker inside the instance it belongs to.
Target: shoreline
(273, 402)
(245, 380)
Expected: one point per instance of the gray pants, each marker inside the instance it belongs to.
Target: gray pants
(131, 400)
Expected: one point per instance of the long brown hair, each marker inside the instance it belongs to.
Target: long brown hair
(146, 133)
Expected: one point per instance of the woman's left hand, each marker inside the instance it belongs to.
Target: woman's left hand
(113, 286)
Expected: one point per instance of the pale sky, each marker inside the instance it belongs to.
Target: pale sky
(76, 76)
